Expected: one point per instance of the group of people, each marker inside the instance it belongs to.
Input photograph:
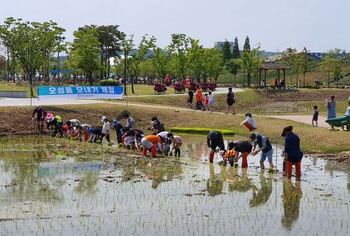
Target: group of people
(159, 141)
(204, 103)
(258, 143)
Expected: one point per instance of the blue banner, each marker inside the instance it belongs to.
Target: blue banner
(81, 92)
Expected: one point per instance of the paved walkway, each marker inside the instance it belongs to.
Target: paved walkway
(303, 119)
(10, 102)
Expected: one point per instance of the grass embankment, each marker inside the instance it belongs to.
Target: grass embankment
(203, 131)
(314, 140)
(260, 102)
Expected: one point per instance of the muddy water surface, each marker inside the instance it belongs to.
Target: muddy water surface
(57, 187)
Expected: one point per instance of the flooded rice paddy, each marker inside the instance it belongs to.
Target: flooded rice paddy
(58, 187)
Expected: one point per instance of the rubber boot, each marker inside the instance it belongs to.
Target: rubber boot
(211, 157)
(154, 151)
(144, 151)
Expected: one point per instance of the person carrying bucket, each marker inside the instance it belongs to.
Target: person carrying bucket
(264, 146)
(150, 142)
(215, 140)
(292, 153)
(249, 122)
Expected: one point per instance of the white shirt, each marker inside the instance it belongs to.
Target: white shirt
(106, 127)
(163, 134)
(251, 121)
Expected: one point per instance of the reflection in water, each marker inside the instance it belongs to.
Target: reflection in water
(159, 170)
(240, 183)
(264, 193)
(166, 196)
(88, 183)
(291, 202)
(215, 183)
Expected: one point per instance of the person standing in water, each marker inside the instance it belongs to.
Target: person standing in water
(264, 146)
(40, 117)
(215, 140)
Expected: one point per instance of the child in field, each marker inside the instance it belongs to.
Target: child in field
(106, 129)
(315, 116)
(177, 142)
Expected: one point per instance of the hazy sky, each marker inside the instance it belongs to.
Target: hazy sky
(275, 24)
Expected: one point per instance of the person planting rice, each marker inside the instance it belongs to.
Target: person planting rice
(249, 122)
(242, 149)
(95, 134)
(264, 146)
(84, 132)
(166, 137)
(106, 128)
(156, 125)
(150, 143)
(292, 153)
(177, 142)
(229, 155)
(40, 117)
(130, 122)
(118, 127)
(55, 125)
(215, 140)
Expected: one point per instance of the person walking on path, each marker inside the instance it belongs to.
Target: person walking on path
(211, 101)
(265, 148)
(292, 153)
(214, 140)
(315, 116)
(230, 99)
(199, 99)
(190, 98)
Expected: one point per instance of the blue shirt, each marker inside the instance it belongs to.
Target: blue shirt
(331, 110)
(292, 147)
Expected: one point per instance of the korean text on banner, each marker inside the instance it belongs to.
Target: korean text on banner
(80, 92)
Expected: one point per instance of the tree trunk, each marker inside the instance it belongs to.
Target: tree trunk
(132, 85)
(248, 79)
(234, 80)
(90, 79)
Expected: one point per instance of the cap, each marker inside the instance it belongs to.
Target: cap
(286, 129)
(154, 118)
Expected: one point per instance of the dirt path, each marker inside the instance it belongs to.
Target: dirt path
(303, 119)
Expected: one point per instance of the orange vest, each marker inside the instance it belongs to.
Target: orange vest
(153, 138)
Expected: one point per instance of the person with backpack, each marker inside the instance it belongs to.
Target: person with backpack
(230, 100)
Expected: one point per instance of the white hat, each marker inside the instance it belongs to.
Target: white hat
(103, 118)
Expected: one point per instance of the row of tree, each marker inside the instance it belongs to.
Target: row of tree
(31, 49)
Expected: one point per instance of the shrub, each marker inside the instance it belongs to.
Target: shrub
(108, 82)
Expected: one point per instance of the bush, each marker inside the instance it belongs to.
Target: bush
(108, 82)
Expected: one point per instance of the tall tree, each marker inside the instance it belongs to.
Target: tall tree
(145, 44)
(250, 61)
(31, 43)
(127, 44)
(305, 61)
(235, 52)
(178, 48)
(331, 64)
(226, 51)
(109, 38)
(246, 47)
(85, 52)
